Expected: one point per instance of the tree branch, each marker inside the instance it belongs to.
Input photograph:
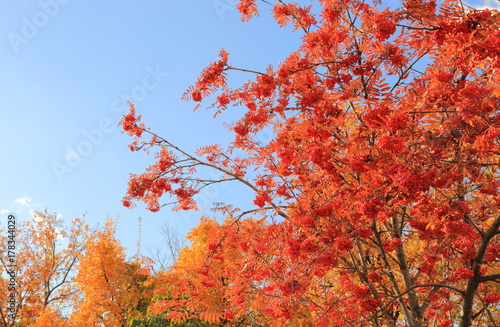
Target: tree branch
(473, 282)
(490, 278)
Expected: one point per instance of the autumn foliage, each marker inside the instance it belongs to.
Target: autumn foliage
(44, 280)
(377, 200)
(71, 276)
(112, 290)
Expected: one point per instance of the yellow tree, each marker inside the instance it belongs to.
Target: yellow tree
(112, 289)
(211, 270)
(38, 258)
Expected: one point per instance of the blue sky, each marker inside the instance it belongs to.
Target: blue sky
(67, 67)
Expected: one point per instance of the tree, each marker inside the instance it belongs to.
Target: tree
(166, 252)
(379, 191)
(112, 289)
(210, 287)
(65, 276)
(45, 256)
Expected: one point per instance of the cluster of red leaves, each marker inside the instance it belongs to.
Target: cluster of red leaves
(130, 124)
(212, 78)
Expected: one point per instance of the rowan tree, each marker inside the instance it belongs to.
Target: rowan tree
(377, 197)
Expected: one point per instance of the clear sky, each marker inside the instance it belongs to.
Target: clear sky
(67, 67)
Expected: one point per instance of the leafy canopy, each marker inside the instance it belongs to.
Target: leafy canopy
(378, 196)
(69, 276)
